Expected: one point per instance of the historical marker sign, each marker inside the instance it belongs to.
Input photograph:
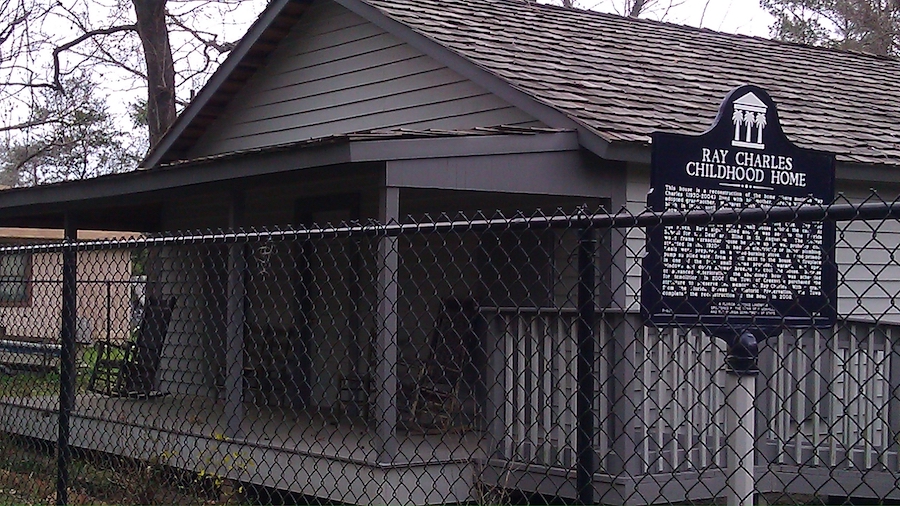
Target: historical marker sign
(771, 275)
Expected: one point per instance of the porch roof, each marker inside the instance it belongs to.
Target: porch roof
(100, 202)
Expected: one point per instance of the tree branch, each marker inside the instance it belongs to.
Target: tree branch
(27, 85)
(78, 40)
(17, 167)
(222, 48)
(30, 123)
(637, 8)
(7, 32)
(109, 59)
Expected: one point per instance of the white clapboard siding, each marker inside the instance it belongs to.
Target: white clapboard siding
(540, 383)
(868, 255)
(335, 74)
(635, 238)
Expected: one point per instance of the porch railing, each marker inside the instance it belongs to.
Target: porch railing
(825, 395)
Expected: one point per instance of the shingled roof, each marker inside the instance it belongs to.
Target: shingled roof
(621, 79)
(625, 78)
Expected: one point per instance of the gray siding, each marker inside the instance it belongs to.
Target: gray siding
(184, 366)
(635, 239)
(868, 253)
(337, 73)
(193, 357)
(191, 353)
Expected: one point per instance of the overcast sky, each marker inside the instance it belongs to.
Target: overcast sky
(733, 16)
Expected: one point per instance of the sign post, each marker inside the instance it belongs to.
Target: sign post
(740, 283)
(740, 392)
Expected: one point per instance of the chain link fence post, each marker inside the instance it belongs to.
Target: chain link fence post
(586, 465)
(67, 362)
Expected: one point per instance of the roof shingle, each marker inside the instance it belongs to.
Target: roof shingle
(625, 78)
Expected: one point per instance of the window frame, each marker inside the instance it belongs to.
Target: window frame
(27, 278)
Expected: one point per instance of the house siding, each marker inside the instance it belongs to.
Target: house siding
(635, 239)
(174, 271)
(193, 350)
(193, 359)
(336, 74)
(867, 256)
(41, 317)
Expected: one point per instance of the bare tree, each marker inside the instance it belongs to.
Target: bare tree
(632, 8)
(169, 46)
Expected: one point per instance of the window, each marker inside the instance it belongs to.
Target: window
(15, 279)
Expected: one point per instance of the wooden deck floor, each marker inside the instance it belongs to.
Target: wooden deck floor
(310, 454)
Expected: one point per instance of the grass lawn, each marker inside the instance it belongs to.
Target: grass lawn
(28, 476)
(41, 383)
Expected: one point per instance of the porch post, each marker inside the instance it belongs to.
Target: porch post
(620, 424)
(67, 360)
(234, 320)
(386, 340)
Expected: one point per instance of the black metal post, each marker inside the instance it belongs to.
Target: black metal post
(108, 311)
(66, 361)
(586, 464)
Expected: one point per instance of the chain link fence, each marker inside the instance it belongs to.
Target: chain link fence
(499, 360)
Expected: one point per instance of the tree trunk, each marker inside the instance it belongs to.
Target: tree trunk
(151, 24)
(637, 8)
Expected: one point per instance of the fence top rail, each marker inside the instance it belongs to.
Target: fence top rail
(524, 310)
(599, 220)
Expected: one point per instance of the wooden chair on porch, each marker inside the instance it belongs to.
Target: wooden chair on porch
(437, 397)
(129, 369)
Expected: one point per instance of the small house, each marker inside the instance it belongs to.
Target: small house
(344, 111)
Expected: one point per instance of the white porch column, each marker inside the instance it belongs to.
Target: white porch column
(385, 377)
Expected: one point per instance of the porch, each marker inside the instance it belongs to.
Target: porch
(270, 330)
(825, 412)
(301, 452)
